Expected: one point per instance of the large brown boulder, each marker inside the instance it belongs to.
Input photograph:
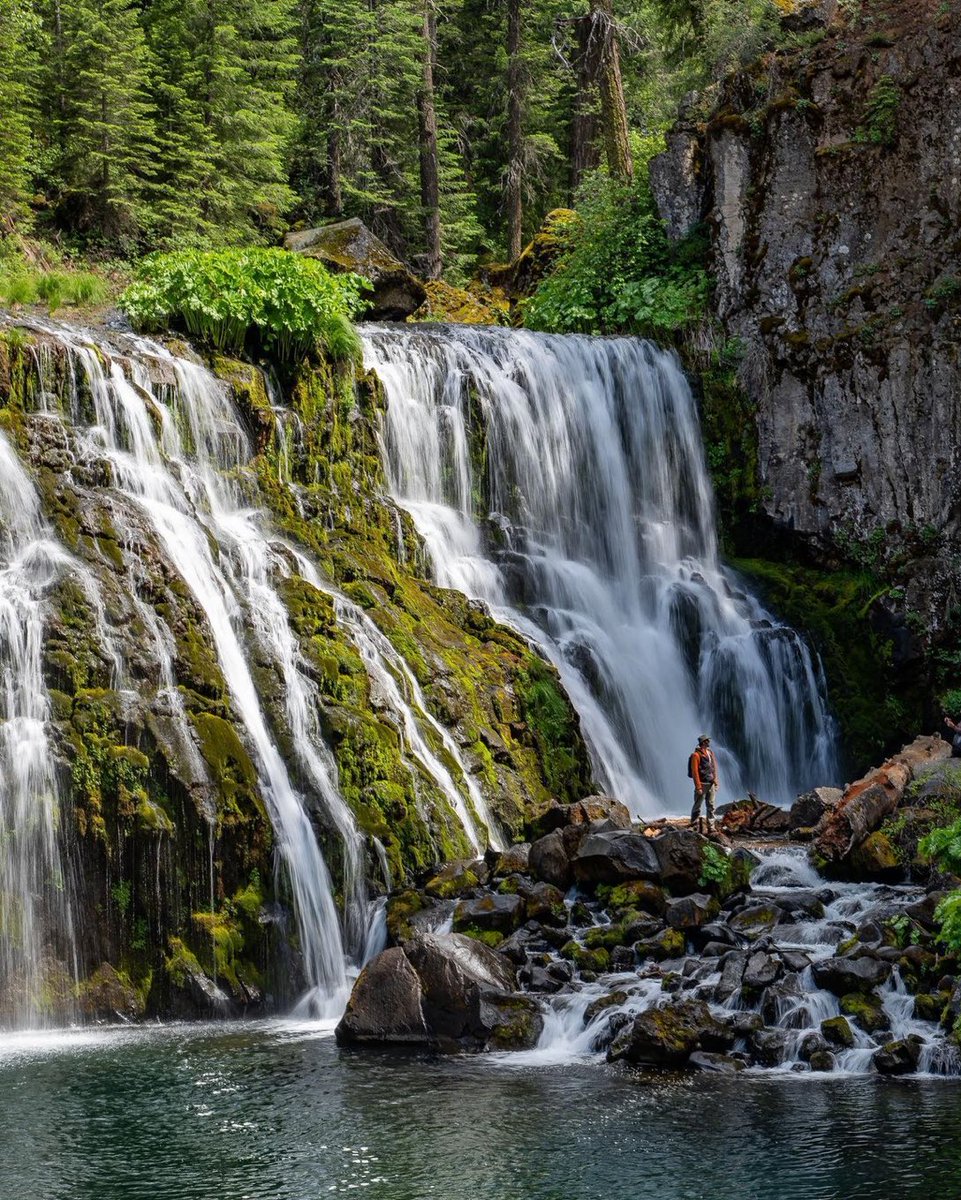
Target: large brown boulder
(668, 1036)
(614, 856)
(385, 1005)
(350, 246)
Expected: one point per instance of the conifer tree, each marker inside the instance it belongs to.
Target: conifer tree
(97, 117)
(18, 68)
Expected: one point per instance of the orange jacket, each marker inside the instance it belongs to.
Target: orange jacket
(696, 766)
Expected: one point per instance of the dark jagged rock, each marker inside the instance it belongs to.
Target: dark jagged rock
(385, 1004)
(714, 1064)
(690, 912)
(680, 860)
(843, 975)
(838, 1032)
(760, 971)
(456, 879)
(898, 1058)
(515, 859)
(808, 809)
(769, 1046)
(614, 856)
(755, 921)
(350, 246)
(501, 914)
(668, 1036)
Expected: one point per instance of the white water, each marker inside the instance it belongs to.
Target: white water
(591, 530)
(36, 927)
(797, 1005)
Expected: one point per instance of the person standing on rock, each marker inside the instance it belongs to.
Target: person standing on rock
(702, 768)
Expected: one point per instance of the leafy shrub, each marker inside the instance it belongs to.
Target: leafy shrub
(880, 126)
(617, 271)
(944, 846)
(715, 866)
(262, 300)
(948, 916)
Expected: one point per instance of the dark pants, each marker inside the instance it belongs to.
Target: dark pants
(707, 793)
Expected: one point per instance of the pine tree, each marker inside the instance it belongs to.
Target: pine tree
(97, 117)
(224, 74)
(18, 68)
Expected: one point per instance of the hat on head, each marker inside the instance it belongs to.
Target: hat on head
(705, 737)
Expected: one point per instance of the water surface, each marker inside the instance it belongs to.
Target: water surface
(275, 1111)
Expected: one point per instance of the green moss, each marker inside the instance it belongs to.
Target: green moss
(597, 960)
(867, 1010)
(490, 937)
(230, 765)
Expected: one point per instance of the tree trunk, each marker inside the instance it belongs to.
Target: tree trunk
(429, 167)
(335, 196)
(515, 132)
(613, 110)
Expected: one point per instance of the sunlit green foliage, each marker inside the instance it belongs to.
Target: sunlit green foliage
(53, 288)
(259, 300)
(618, 271)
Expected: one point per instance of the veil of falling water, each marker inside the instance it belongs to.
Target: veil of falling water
(35, 922)
(562, 481)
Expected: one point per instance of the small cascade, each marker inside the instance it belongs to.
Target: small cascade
(778, 1017)
(561, 480)
(37, 941)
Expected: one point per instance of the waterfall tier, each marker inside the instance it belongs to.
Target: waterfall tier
(562, 481)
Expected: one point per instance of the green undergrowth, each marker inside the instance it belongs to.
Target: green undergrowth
(267, 301)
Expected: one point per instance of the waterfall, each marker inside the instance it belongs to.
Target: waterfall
(562, 481)
(37, 945)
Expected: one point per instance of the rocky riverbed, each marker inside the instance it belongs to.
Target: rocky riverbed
(660, 947)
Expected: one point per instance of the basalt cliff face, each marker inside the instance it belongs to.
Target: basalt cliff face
(829, 178)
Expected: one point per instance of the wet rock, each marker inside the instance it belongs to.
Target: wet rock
(769, 1046)
(564, 971)
(875, 859)
(509, 1022)
(755, 921)
(781, 1003)
(844, 975)
(515, 859)
(813, 1043)
(585, 959)
(795, 960)
(385, 1004)
(545, 903)
(669, 943)
(550, 861)
(867, 1010)
(717, 931)
(713, 1063)
(928, 1007)
(679, 855)
(106, 997)
(838, 1032)
(808, 809)
(637, 895)
(583, 812)
(492, 912)
(641, 928)
(454, 971)
(898, 1058)
(538, 979)
(602, 1004)
(743, 1024)
(667, 1036)
(800, 905)
(456, 879)
(615, 856)
(760, 971)
(690, 912)
(350, 246)
(732, 971)
(822, 1060)
(622, 958)
(714, 949)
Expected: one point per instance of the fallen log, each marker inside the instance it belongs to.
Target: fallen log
(866, 803)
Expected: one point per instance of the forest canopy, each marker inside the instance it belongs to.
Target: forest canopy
(451, 127)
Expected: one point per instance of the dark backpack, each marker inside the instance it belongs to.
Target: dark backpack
(690, 766)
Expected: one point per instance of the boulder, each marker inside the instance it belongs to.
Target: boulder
(510, 1022)
(867, 1010)
(545, 903)
(667, 1036)
(550, 861)
(844, 975)
(105, 996)
(813, 1043)
(639, 895)
(455, 972)
(614, 856)
(680, 860)
(755, 921)
(760, 971)
(732, 972)
(669, 943)
(875, 859)
(769, 1046)
(492, 912)
(514, 860)
(456, 879)
(755, 816)
(808, 809)
(838, 1032)
(900, 1057)
(602, 1004)
(690, 912)
(385, 1004)
(822, 1060)
(350, 246)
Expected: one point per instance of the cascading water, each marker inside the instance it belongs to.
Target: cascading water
(37, 943)
(562, 481)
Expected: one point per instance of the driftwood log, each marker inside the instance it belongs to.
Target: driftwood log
(866, 803)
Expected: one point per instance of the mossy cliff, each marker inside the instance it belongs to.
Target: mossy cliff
(170, 846)
(832, 394)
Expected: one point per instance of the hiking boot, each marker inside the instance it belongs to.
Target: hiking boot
(711, 827)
